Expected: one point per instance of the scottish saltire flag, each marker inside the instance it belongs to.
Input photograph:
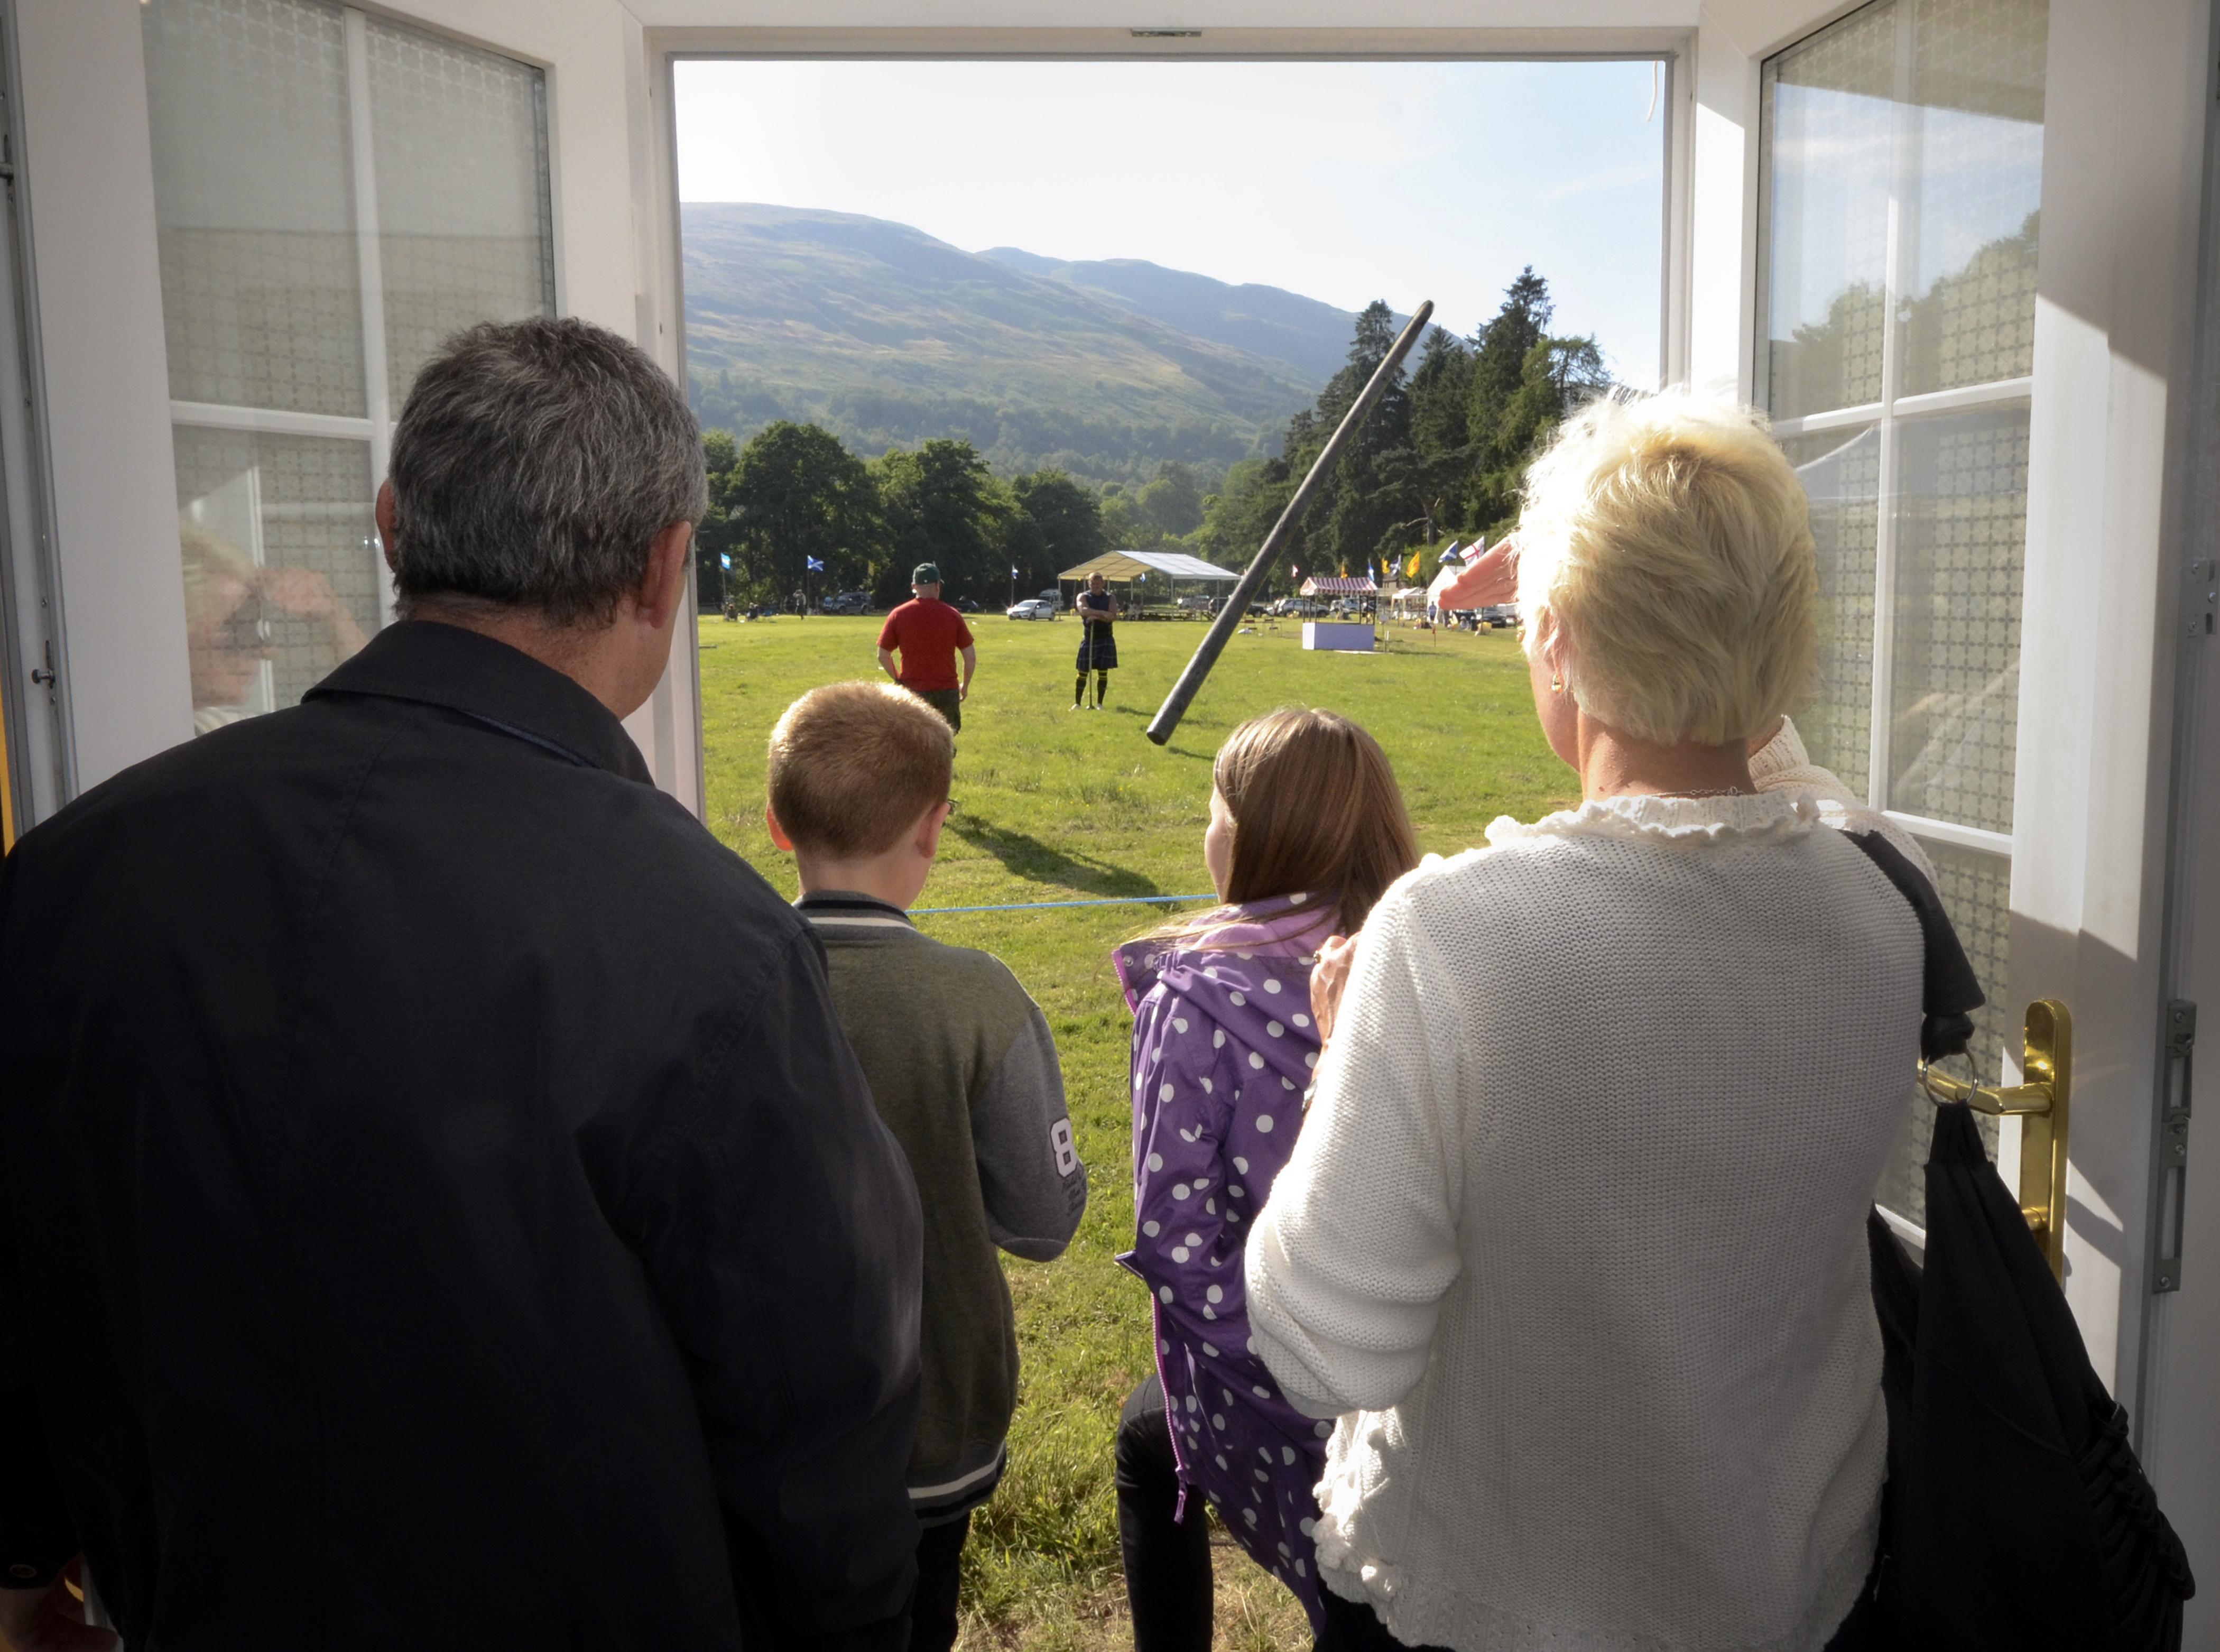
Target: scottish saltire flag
(727, 558)
(815, 566)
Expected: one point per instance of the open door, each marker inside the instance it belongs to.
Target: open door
(1988, 402)
(252, 221)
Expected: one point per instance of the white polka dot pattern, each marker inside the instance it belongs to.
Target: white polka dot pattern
(1197, 1033)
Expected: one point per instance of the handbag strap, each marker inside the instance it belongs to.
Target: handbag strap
(1949, 991)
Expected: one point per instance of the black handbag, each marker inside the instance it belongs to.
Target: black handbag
(2015, 1514)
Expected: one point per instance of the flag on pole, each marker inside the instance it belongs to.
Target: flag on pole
(726, 561)
(815, 566)
(1411, 568)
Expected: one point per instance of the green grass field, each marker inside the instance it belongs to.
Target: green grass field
(1054, 805)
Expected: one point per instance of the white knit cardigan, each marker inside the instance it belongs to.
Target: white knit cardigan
(1573, 1239)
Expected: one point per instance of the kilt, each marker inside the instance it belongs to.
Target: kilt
(1105, 644)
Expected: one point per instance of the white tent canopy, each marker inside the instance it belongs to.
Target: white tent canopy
(1132, 565)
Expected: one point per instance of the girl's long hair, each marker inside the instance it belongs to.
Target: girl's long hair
(1316, 810)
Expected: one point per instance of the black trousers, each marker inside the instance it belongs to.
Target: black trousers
(939, 1566)
(1167, 1561)
(1353, 1628)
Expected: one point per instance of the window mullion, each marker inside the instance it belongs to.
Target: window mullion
(369, 266)
(1893, 285)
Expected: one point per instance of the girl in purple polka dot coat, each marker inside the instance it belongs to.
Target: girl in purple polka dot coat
(1306, 831)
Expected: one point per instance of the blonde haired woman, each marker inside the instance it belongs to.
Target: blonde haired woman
(1573, 1241)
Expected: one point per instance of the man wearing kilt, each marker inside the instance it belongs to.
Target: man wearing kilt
(1098, 642)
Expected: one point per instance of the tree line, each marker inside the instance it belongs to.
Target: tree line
(1442, 452)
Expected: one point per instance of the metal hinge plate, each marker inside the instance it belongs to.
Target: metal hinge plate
(2173, 1143)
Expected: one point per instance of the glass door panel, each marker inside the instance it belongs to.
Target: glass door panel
(1900, 155)
(334, 196)
(280, 562)
(1828, 115)
(1841, 473)
(261, 304)
(1961, 543)
(461, 144)
(1971, 216)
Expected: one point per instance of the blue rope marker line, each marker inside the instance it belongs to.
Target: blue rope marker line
(1036, 905)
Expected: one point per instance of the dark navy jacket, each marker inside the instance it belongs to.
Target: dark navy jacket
(441, 1205)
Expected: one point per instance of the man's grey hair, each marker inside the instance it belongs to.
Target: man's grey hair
(535, 462)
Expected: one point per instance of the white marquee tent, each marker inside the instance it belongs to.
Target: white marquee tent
(1134, 565)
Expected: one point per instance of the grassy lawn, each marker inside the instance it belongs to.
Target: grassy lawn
(1054, 805)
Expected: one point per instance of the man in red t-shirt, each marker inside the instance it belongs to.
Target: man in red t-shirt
(929, 633)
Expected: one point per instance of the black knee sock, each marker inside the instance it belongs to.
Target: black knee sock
(1101, 686)
(1079, 689)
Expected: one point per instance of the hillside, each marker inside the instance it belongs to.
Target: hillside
(887, 336)
(1308, 335)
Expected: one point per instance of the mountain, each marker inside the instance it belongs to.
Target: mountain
(887, 337)
(1305, 333)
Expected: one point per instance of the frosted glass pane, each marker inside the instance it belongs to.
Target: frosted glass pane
(1827, 111)
(1961, 543)
(1841, 473)
(463, 213)
(1976, 891)
(1972, 219)
(280, 564)
(254, 203)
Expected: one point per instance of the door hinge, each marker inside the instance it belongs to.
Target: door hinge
(45, 676)
(2203, 598)
(2173, 1143)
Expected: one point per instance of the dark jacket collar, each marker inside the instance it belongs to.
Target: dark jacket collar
(435, 665)
(837, 906)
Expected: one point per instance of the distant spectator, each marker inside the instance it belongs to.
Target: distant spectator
(962, 1069)
(928, 633)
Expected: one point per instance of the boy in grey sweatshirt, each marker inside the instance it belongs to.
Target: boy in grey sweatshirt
(962, 1068)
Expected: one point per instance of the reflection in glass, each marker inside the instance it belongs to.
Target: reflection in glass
(254, 203)
(1971, 222)
(1953, 692)
(1841, 473)
(276, 535)
(1828, 113)
(460, 140)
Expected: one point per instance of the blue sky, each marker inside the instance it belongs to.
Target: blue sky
(1342, 181)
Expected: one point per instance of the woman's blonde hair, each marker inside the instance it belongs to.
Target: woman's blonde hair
(1670, 541)
(1316, 811)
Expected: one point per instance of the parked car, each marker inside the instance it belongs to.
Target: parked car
(1032, 609)
(847, 603)
(1198, 604)
(965, 605)
(1500, 613)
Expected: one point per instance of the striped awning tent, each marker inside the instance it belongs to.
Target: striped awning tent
(1338, 585)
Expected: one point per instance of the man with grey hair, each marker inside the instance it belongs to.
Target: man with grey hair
(439, 1201)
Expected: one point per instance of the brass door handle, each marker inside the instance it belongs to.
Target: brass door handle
(2040, 1103)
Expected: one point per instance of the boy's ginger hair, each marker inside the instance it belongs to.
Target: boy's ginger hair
(854, 764)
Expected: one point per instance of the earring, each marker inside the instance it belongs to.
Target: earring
(1557, 683)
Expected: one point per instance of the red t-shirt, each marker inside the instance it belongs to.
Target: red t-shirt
(926, 632)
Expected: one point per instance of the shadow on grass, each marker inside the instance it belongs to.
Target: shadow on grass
(1026, 856)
